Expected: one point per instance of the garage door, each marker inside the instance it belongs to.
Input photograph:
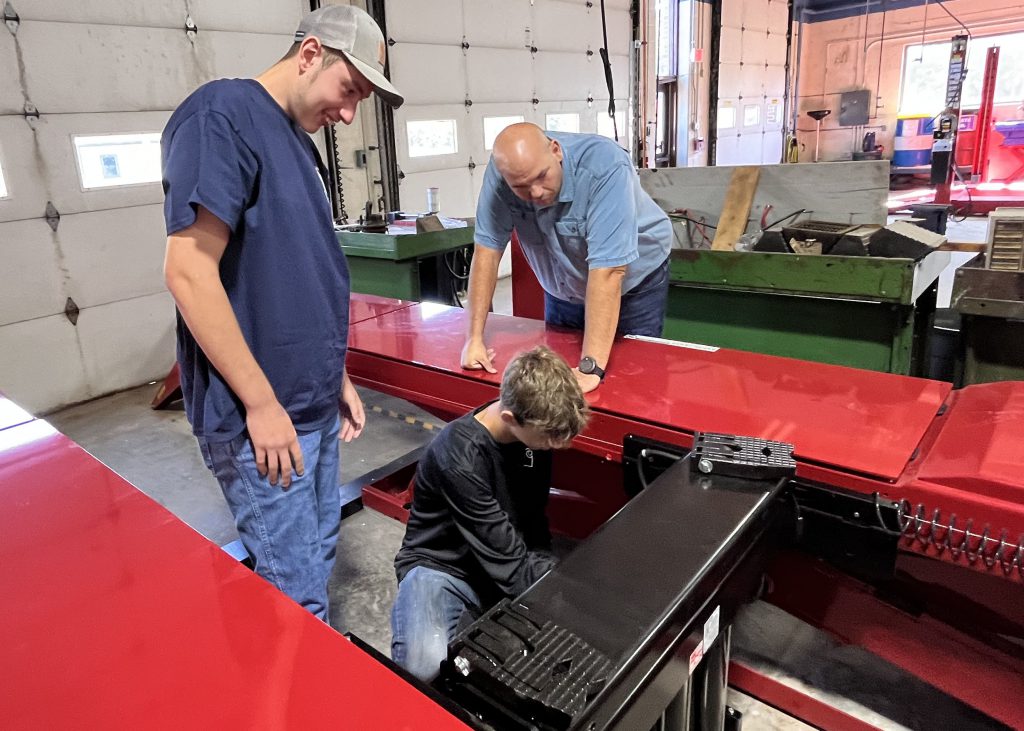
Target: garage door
(468, 68)
(85, 89)
(751, 82)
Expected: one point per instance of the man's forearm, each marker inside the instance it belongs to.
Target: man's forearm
(604, 296)
(483, 277)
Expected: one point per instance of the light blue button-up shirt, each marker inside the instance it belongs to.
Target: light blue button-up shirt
(602, 218)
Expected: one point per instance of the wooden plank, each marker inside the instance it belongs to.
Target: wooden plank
(738, 199)
(968, 246)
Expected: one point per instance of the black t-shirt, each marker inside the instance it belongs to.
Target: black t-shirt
(478, 511)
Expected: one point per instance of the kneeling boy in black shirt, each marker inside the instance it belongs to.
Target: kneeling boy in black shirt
(477, 530)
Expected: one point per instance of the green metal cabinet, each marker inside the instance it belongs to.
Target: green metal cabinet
(991, 307)
(864, 312)
(410, 266)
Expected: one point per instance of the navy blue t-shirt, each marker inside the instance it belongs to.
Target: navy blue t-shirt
(232, 149)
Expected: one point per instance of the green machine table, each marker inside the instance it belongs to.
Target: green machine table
(413, 266)
(864, 312)
(991, 307)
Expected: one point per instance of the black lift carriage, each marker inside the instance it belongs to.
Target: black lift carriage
(631, 630)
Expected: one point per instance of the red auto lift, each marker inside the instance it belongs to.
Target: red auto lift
(910, 497)
(882, 460)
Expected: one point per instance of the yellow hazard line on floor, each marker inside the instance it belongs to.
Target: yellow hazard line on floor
(428, 425)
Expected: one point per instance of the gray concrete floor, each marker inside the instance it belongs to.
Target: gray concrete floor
(155, 451)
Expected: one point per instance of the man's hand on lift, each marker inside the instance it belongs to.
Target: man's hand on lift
(476, 356)
(275, 445)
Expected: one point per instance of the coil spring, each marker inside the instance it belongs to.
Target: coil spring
(916, 527)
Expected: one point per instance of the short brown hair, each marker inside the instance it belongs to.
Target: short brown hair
(330, 55)
(541, 391)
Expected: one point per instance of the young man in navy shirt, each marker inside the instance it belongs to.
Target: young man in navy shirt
(262, 291)
(477, 529)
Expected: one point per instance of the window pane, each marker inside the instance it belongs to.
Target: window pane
(665, 35)
(107, 161)
(564, 122)
(431, 137)
(494, 125)
(751, 115)
(726, 115)
(926, 68)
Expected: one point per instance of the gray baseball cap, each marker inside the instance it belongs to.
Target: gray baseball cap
(352, 31)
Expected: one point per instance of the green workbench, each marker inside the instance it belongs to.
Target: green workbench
(410, 266)
(864, 312)
(991, 307)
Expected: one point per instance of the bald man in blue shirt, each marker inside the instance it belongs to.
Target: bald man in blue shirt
(597, 242)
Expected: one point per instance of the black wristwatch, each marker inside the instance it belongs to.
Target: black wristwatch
(588, 365)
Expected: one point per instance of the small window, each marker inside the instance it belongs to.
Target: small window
(494, 125)
(3, 183)
(431, 137)
(565, 122)
(605, 127)
(107, 161)
(726, 115)
(751, 115)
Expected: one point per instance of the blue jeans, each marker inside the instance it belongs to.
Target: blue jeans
(424, 619)
(642, 311)
(292, 534)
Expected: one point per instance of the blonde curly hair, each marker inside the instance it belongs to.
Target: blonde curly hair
(541, 391)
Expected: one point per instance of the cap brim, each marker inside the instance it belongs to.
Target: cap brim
(384, 88)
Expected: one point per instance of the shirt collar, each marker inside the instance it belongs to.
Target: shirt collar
(568, 189)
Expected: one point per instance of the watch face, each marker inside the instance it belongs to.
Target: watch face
(587, 364)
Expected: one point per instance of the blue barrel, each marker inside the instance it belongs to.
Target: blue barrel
(912, 146)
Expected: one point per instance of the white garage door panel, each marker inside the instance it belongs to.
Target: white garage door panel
(428, 74)
(27, 196)
(249, 16)
(751, 147)
(775, 80)
(126, 56)
(755, 47)
(778, 17)
(728, 149)
(751, 80)
(56, 148)
(114, 254)
(568, 76)
(28, 253)
(414, 21)
(105, 12)
(551, 20)
(239, 55)
(499, 75)
(455, 190)
(127, 343)
(731, 49)
(732, 14)
(498, 23)
(11, 99)
(432, 112)
(40, 364)
(772, 151)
